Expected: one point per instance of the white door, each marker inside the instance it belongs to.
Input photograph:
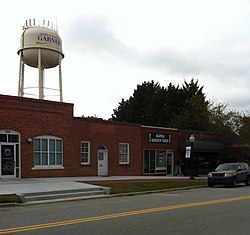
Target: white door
(102, 162)
(8, 160)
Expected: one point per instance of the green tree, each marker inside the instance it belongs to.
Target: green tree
(194, 108)
(176, 107)
(147, 101)
(244, 131)
(244, 135)
(226, 122)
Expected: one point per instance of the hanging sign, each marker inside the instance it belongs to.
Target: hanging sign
(188, 152)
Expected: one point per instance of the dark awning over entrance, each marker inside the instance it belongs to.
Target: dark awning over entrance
(202, 146)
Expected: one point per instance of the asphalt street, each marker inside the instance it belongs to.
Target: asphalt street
(218, 210)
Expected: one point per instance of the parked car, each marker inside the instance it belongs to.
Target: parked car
(229, 174)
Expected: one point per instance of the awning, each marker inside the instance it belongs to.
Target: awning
(202, 146)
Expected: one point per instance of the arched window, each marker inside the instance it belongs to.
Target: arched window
(48, 152)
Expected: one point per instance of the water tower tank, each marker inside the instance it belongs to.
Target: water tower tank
(41, 48)
(45, 39)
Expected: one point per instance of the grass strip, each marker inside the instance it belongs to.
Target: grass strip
(7, 198)
(129, 187)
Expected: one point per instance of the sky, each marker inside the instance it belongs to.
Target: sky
(111, 46)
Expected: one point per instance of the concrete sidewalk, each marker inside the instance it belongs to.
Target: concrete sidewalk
(30, 185)
(37, 189)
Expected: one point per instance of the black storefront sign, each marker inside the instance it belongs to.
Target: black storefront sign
(159, 138)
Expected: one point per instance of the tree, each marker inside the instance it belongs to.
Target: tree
(244, 131)
(175, 107)
(226, 122)
(244, 134)
(147, 101)
(194, 108)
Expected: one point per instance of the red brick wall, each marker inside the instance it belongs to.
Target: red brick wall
(109, 134)
(31, 118)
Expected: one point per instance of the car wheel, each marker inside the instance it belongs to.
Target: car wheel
(210, 184)
(234, 182)
(247, 182)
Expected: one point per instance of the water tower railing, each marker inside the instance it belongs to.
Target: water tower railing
(37, 23)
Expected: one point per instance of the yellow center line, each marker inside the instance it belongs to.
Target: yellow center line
(117, 215)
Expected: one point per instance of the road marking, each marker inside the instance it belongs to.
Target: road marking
(167, 194)
(118, 215)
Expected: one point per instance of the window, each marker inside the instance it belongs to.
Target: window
(158, 161)
(12, 138)
(9, 138)
(48, 151)
(123, 153)
(85, 152)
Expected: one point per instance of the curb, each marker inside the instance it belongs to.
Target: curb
(14, 204)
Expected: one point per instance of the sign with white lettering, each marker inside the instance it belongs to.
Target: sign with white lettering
(159, 138)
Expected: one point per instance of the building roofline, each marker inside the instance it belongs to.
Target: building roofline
(12, 97)
(157, 127)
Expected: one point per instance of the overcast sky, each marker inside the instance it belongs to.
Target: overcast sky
(110, 46)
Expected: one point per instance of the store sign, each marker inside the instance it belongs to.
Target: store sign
(188, 152)
(159, 138)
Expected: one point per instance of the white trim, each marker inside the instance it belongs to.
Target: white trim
(48, 137)
(47, 168)
(162, 128)
(128, 158)
(85, 163)
(17, 158)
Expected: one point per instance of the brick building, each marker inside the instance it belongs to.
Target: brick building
(40, 138)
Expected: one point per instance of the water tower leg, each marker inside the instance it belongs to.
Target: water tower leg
(60, 79)
(21, 77)
(41, 70)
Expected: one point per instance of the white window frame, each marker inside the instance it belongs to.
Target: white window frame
(40, 151)
(82, 153)
(123, 155)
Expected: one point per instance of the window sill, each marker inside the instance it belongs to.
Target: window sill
(85, 164)
(47, 168)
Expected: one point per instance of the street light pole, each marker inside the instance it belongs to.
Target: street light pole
(192, 140)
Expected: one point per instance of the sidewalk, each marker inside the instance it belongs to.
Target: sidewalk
(29, 185)
(75, 185)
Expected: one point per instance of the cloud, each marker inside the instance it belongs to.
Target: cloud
(225, 60)
(93, 35)
(223, 55)
(171, 61)
(219, 61)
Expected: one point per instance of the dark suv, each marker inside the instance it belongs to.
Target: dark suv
(229, 174)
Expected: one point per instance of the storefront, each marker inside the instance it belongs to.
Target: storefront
(207, 152)
(159, 149)
(40, 138)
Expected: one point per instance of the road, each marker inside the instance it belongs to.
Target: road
(218, 210)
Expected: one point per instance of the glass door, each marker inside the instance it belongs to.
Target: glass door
(170, 163)
(8, 160)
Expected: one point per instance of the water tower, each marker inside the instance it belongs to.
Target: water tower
(41, 48)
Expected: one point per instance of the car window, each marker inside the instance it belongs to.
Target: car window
(243, 166)
(246, 165)
(226, 166)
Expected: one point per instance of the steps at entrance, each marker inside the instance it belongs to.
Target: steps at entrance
(62, 194)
